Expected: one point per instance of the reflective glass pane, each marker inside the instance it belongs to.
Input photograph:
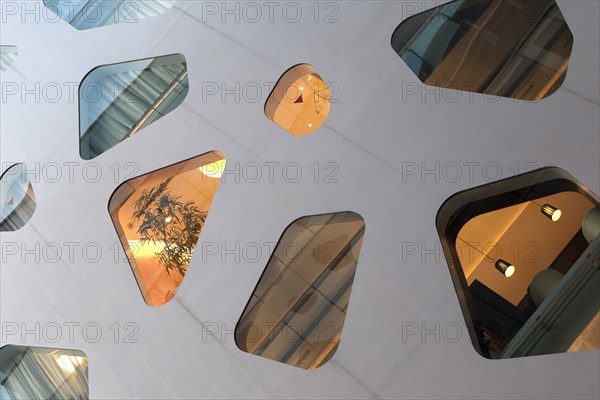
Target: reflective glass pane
(518, 49)
(87, 14)
(299, 102)
(297, 311)
(8, 55)
(159, 217)
(117, 101)
(17, 199)
(41, 373)
(523, 253)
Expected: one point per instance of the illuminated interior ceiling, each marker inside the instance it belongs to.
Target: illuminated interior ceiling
(159, 217)
(42, 373)
(518, 49)
(88, 14)
(17, 199)
(116, 101)
(589, 339)
(296, 313)
(300, 100)
(521, 235)
(8, 55)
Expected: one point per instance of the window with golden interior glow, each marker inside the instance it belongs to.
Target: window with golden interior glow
(297, 310)
(159, 217)
(523, 255)
(300, 100)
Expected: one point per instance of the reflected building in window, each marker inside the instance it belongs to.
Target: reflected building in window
(17, 199)
(116, 101)
(297, 312)
(88, 14)
(518, 49)
(37, 373)
(8, 55)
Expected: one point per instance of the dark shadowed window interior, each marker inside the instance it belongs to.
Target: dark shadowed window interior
(523, 254)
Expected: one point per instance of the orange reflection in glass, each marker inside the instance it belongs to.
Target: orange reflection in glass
(297, 311)
(300, 100)
(159, 217)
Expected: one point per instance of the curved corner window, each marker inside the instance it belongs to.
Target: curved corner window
(42, 373)
(116, 101)
(300, 100)
(87, 14)
(297, 310)
(159, 216)
(8, 55)
(517, 49)
(523, 254)
(17, 199)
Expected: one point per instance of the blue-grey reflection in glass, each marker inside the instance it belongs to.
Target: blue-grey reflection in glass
(117, 100)
(8, 55)
(88, 14)
(17, 200)
(517, 49)
(42, 373)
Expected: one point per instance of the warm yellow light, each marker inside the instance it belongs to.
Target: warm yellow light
(213, 169)
(551, 212)
(509, 271)
(65, 363)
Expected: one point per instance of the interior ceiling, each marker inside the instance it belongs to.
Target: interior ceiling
(380, 137)
(520, 235)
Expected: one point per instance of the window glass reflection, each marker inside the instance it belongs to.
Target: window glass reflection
(87, 14)
(297, 311)
(8, 55)
(17, 199)
(117, 101)
(300, 100)
(42, 373)
(518, 49)
(159, 217)
(522, 254)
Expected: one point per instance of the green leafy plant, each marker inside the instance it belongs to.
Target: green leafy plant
(164, 219)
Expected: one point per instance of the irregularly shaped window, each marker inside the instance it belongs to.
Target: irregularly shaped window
(8, 55)
(42, 373)
(159, 217)
(519, 49)
(117, 100)
(297, 311)
(299, 102)
(523, 254)
(87, 14)
(17, 200)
